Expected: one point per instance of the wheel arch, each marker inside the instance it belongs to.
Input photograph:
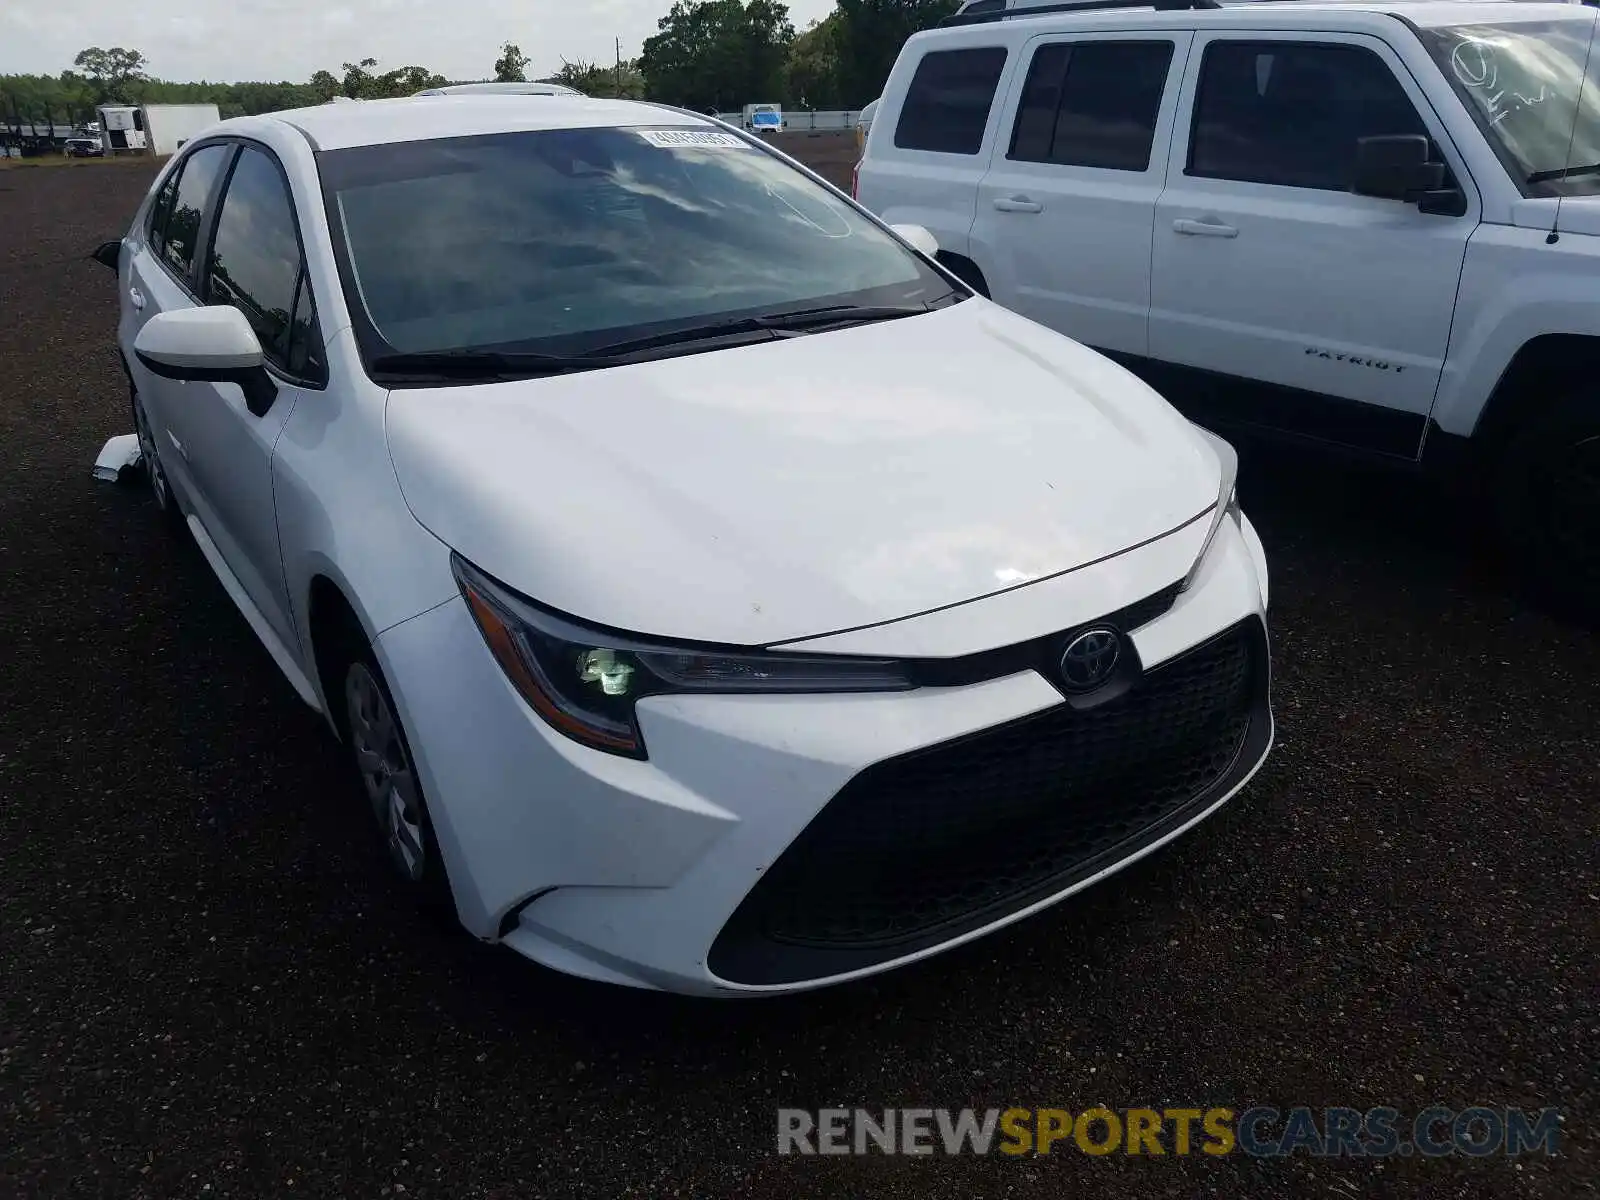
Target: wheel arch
(964, 269)
(335, 629)
(1539, 376)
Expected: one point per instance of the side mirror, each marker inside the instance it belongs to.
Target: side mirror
(1397, 167)
(107, 253)
(208, 345)
(920, 237)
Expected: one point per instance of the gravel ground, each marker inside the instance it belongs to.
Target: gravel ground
(211, 989)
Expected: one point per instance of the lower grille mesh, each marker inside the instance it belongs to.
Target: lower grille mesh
(966, 830)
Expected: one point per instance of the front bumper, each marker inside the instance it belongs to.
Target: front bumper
(774, 843)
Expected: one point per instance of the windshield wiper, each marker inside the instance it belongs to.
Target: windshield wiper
(496, 364)
(776, 323)
(1563, 172)
(484, 364)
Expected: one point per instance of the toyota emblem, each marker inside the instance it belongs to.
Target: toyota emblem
(1089, 659)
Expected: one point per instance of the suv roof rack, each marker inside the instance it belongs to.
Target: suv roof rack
(981, 12)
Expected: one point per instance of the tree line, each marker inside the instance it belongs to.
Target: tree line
(706, 55)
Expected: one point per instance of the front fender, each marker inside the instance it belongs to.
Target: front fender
(1514, 287)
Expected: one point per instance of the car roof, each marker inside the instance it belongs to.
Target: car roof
(1279, 14)
(422, 118)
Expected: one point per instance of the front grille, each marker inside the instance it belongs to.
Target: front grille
(1042, 653)
(917, 849)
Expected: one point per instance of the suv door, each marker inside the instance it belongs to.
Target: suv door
(254, 261)
(163, 262)
(1064, 214)
(1266, 268)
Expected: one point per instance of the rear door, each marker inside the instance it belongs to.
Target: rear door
(1312, 310)
(1063, 220)
(925, 157)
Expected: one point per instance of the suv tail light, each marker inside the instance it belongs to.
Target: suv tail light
(855, 181)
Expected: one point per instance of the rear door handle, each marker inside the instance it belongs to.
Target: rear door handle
(1017, 204)
(1206, 228)
(135, 297)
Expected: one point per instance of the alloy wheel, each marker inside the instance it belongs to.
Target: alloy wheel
(386, 771)
(152, 461)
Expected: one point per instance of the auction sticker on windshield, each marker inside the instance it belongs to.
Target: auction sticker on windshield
(699, 139)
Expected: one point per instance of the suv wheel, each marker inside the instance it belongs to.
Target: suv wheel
(1549, 503)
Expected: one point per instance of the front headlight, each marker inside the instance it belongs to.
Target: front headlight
(585, 682)
(1227, 499)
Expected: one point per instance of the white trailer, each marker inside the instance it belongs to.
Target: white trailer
(161, 129)
(121, 127)
(169, 126)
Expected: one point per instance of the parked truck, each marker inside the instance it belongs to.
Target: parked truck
(763, 118)
(159, 129)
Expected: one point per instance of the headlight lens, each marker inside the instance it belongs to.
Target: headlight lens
(584, 682)
(1227, 499)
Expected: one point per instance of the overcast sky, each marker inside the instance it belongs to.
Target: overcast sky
(289, 39)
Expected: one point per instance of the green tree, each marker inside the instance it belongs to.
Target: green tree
(407, 81)
(813, 67)
(361, 83)
(324, 86)
(512, 64)
(357, 83)
(594, 79)
(111, 73)
(870, 36)
(718, 53)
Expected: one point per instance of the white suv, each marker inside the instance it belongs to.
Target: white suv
(1375, 225)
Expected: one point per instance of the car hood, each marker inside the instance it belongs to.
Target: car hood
(802, 486)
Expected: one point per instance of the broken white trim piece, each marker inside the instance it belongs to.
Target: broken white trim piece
(116, 456)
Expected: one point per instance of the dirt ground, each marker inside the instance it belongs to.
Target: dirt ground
(831, 155)
(210, 988)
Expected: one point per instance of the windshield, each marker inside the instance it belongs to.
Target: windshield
(1525, 83)
(563, 241)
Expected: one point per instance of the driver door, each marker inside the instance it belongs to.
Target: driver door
(1306, 308)
(253, 261)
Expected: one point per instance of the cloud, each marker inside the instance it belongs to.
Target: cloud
(289, 39)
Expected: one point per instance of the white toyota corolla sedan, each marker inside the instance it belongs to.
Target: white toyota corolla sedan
(712, 593)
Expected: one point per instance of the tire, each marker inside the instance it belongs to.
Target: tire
(386, 774)
(150, 460)
(1548, 503)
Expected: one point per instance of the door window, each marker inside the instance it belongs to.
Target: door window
(1092, 104)
(181, 228)
(947, 105)
(161, 209)
(255, 262)
(1290, 113)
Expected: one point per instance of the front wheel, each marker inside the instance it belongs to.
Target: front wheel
(389, 780)
(1549, 503)
(155, 474)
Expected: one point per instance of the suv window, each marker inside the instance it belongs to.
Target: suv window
(255, 263)
(180, 228)
(1290, 113)
(947, 105)
(1093, 104)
